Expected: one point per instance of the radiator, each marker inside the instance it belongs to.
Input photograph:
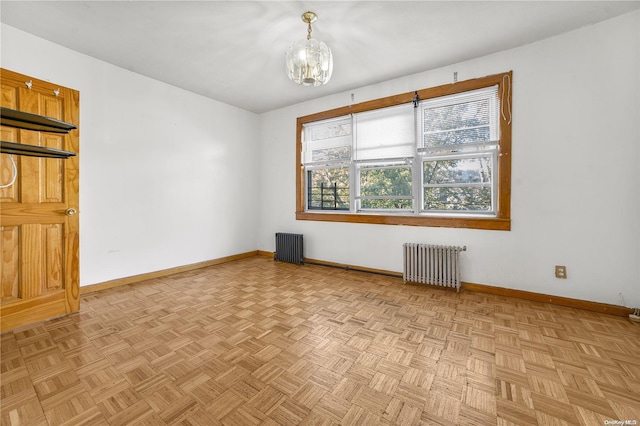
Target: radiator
(432, 264)
(288, 248)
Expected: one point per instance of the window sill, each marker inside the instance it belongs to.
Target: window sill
(494, 224)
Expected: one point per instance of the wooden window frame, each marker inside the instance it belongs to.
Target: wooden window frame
(500, 222)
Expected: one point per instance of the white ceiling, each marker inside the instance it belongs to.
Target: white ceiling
(233, 51)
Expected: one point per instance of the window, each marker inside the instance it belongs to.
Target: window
(327, 156)
(458, 152)
(435, 157)
(384, 148)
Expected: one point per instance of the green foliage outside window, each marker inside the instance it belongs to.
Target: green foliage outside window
(386, 182)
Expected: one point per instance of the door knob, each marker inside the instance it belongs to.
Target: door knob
(70, 212)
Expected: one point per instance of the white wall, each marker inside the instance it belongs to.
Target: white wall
(576, 181)
(164, 173)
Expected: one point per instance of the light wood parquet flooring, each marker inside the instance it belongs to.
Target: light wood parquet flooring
(254, 342)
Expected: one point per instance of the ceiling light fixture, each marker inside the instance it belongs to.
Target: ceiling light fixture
(309, 62)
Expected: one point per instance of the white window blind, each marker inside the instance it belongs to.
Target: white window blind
(386, 133)
(460, 121)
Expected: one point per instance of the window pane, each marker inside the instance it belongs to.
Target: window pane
(465, 170)
(458, 198)
(327, 141)
(336, 153)
(386, 182)
(463, 118)
(329, 129)
(380, 182)
(328, 189)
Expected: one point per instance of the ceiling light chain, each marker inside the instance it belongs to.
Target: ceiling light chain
(309, 18)
(309, 31)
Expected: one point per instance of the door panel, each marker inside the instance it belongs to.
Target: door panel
(7, 164)
(40, 243)
(53, 168)
(53, 249)
(31, 266)
(10, 262)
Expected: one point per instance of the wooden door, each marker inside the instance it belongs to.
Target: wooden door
(40, 233)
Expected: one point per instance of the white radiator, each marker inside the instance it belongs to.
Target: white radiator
(432, 264)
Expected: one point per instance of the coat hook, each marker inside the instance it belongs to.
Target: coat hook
(28, 84)
(56, 92)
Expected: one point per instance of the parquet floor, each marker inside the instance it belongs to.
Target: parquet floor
(254, 342)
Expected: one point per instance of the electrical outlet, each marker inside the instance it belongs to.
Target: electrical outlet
(561, 271)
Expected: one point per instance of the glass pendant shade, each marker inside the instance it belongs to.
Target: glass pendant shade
(309, 62)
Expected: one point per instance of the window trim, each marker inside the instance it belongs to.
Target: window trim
(500, 222)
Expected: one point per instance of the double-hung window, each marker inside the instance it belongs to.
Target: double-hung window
(458, 152)
(384, 144)
(327, 159)
(435, 157)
